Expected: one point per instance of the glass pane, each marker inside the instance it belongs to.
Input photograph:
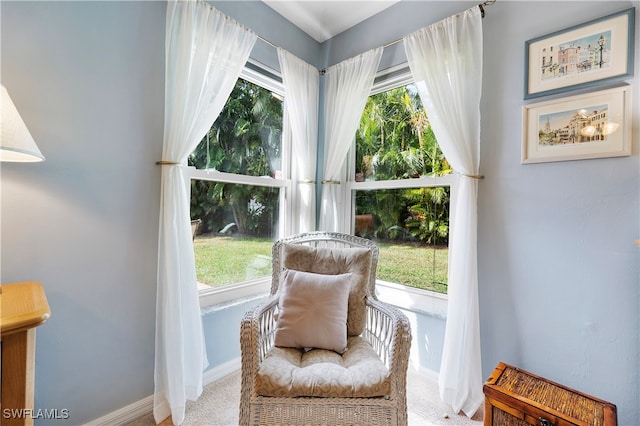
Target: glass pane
(411, 227)
(395, 140)
(246, 138)
(239, 225)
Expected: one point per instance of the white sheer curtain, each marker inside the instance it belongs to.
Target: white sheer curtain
(446, 63)
(205, 52)
(301, 85)
(348, 85)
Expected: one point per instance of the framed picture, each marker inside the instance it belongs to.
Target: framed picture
(593, 125)
(580, 56)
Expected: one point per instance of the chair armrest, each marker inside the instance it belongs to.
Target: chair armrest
(257, 334)
(389, 332)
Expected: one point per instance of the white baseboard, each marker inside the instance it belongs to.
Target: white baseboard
(125, 414)
(220, 371)
(426, 373)
(143, 407)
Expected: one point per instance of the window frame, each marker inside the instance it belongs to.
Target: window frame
(271, 80)
(398, 294)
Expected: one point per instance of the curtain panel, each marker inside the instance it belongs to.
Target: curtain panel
(301, 85)
(205, 52)
(446, 62)
(348, 85)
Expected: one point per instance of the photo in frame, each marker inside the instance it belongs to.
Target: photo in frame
(581, 56)
(593, 125)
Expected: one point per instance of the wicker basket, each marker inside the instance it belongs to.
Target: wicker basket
(515, 397)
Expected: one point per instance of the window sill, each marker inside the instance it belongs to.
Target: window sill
(413, 299)
(398, 295)
(251, 289)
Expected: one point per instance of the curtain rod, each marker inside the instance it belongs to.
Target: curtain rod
(481, 6)
(266, 41)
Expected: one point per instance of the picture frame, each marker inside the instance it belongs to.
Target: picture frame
(592, 125)
(580, 56)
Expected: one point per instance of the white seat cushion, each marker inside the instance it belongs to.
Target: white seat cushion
(290, 372)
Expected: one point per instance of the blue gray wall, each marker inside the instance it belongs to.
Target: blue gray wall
(88, 79)
(559, 271)
(558, 267)
(221, 326)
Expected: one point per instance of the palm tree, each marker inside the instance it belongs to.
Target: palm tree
(395, 141)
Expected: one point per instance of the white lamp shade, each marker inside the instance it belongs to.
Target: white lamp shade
(16, 143)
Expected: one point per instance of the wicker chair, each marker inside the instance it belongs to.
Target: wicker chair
(386, 332)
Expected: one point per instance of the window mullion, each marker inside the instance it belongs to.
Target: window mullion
(421, 182)
(217, 176)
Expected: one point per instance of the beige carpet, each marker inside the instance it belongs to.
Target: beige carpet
(218, 405)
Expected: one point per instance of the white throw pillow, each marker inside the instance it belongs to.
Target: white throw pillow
(313, 310)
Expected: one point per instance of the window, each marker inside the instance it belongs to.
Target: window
(237, 190)
(402, 189)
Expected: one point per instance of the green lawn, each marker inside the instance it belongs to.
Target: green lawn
(415, 266)
(226, 260)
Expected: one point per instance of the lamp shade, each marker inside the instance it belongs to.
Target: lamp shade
(16, 143)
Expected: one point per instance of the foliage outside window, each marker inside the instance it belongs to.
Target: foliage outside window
(395, 145)
(236, 199)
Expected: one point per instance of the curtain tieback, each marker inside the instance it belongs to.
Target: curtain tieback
(471, 176)
(331, 182)
(168, 163)
(307, 181)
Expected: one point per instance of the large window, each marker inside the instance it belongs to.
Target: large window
(237, 186)
(402, 189)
